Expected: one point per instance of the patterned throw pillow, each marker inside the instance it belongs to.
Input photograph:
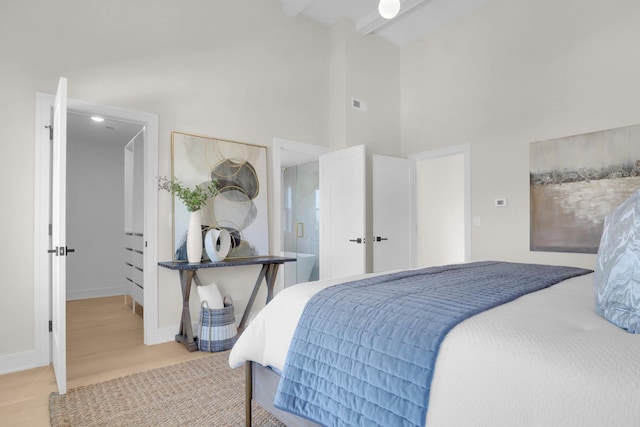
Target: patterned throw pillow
(617, 275)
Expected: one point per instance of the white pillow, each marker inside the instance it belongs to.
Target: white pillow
(211, 295)
(617, 274)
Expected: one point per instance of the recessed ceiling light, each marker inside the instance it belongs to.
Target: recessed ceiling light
(97, 119)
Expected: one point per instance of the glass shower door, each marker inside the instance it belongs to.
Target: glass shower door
(301, 222)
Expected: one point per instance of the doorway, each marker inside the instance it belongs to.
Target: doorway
(301, 221)
(443, 206)
(42, 294)
(95, 204)
(287, 155)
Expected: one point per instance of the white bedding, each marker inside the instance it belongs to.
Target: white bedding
(545, 359)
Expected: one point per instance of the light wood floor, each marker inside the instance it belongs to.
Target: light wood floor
(104, 341)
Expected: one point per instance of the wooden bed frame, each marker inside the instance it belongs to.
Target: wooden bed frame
(260, 386)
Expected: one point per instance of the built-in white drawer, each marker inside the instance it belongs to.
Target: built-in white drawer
(138, 242)
(134, 259)
(137, 259)
(128, 240)
(137, 276)
(129, 272)
(134, 241)
(136, 292)
(128, 256)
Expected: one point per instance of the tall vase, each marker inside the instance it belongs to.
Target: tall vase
(194, 238)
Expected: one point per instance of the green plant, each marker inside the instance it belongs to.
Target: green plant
(193, 199)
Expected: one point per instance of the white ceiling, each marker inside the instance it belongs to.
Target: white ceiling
(416, 18)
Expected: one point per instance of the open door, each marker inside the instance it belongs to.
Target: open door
(59, 250)
(342, 213)
(394, 223)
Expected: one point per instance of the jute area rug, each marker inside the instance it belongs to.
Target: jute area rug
(201, 392)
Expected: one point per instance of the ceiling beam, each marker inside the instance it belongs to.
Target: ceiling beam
(295, 7)
(372, 21)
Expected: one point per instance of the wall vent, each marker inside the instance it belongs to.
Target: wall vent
(358, 104)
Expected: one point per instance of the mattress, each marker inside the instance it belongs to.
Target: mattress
(544, 359)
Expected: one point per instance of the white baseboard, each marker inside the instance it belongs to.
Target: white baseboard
(94, 293)
(168, 333)
(29, 359)
(18, 362)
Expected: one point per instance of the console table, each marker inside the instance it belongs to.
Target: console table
(187, 272)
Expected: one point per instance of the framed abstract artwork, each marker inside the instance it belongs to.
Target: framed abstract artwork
(575, 182)
(241, 205)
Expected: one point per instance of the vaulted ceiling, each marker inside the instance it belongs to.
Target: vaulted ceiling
(416, 18)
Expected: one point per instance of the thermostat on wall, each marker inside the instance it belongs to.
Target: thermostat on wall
(501, 202)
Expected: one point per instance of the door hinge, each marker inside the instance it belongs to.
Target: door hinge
(50, 325)
(50, 127)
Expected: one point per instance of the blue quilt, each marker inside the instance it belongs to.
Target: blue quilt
(364, 352)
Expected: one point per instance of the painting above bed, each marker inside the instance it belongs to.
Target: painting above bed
(240, 207)
(575, 182)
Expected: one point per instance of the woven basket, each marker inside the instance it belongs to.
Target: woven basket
(218, 330)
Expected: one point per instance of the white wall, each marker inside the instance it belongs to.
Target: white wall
(95, 218)
(366, 68)
(512, 73)
(440, 204)
(238, 70)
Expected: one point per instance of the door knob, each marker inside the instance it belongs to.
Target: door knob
(380, 239)
(359, 240)
(61, 251)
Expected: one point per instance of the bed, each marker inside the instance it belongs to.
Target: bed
(545, 358)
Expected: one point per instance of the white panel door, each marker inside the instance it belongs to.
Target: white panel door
(58, 261)
(342, 213)
(394, 225)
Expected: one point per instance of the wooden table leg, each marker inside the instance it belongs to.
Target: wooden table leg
(271, 280)
(256, 288)
(186, 331)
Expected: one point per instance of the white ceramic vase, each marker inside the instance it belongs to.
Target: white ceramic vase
(194, 238)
